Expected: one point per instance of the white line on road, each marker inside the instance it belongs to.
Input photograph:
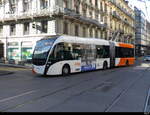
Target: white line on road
(10, 98)
(147, 105)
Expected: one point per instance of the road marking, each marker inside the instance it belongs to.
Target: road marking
(147, 105)
(10, 98)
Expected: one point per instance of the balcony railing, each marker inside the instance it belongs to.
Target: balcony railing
(114, 14)
(122, 9)
(26, 15)
(57, 11)
(72, 13)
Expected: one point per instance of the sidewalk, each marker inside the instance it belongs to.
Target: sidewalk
(17, 66)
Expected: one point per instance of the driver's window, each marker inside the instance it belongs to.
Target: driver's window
(62, 51)
(58, 51)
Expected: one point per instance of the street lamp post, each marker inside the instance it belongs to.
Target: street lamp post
(6, 48)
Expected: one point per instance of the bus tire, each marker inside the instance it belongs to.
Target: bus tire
(105, 65)
(66, 70)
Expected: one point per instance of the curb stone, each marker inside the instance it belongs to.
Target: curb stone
(5, 72)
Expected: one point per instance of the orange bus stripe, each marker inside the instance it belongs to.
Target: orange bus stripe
(124, 60)
(126, 45)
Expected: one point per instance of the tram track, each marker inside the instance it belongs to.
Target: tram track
(123, 92)
(147, 103)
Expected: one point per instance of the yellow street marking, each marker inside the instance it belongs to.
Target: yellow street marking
(13, 69)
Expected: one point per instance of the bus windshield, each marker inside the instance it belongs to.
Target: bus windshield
(41, 51)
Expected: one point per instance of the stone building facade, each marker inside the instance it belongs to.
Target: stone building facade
(23, 22)
(148, 37)
(140, 32)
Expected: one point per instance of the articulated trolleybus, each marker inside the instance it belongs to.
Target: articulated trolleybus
(62, 55)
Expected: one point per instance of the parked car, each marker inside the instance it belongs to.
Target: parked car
(2, 60)
(11, 61)
(147, 58)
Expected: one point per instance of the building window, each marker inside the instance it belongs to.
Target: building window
(84, 12)
(101, 35)
(90, 1)
(84, 31)
(1, 30)
(12, 29)
(65, 28)
(25, 5)
(1, 3)
(91, 32)
(105, 8)
(96, 16)
(44, 26)
(102, 18)
(26, 28)
(65, 3)
(96, 3)
(91, 14)
(77, 9)
(105, 35)
(44, 4)
(101, 6)
(13, 4)
(76, 30)
(77, 6)
(105, 19)
(96, 33)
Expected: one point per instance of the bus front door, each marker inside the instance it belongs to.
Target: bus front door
(112, 54)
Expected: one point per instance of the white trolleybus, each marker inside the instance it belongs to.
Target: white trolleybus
(62, 55)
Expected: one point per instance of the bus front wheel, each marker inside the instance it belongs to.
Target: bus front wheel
(66, 70)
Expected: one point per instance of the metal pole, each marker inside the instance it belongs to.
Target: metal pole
(6, 48)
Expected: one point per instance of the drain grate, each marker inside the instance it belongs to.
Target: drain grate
(147, 105)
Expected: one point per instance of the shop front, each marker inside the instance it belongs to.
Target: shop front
(26, 51)
(20, 51)
(13, 51)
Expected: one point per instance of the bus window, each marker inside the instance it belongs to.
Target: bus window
(67, 51)
(124, 52)
(106, 52)
(76, 51)
(62, 51)
(56, 54)
(102, 51)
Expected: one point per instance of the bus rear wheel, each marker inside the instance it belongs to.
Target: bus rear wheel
(66, 70)
(105, 65)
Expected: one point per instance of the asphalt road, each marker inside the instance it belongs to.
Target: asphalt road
(122, 89)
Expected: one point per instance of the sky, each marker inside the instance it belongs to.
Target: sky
(141, 6)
